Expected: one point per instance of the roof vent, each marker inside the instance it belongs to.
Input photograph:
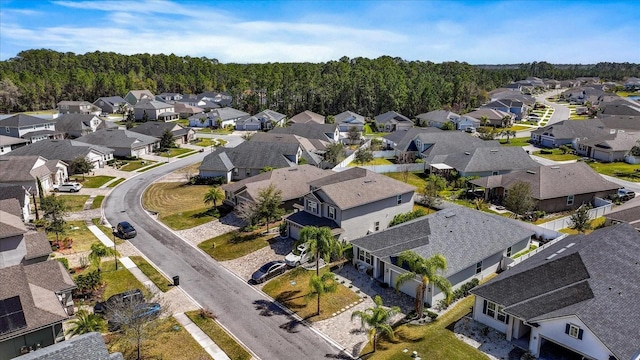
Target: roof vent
(449, 215)
(368, 181)
(530, 172)
(295, 169)
(494, 150)
(467, 153)
(555, 167)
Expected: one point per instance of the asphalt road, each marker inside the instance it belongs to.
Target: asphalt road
(248, 314)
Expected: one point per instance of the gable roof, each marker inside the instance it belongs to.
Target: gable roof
(22, 120)
(439, 116)
(89, 346)
(504, 102)
(79, 122)
(270, 115)
(157, 128)
(118, 138)
(15, 168)
(11, 219)
(112, 100)
(350, 118)
(251, 155)
(217, 160)
(620, 141)
(226, 113)
(10, 140)
(357, 186)
(186, 108)
(464, 236)
(37, 245)
(309, 130)
(9, 191)
(391, 117)
(487, 159)
(550, 182)
(491, 114)
(442, 142)
(571, 129)
(65, 150)
(293, 182)
(623, 109)
(150, 104)
(593, 277)
(306, 117)
(140, 94)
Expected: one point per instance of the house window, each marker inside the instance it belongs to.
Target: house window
(6, 129)
(494, 173)
(312, 206)
(479, 267)
(332, 212)
(509, 251)
(248, 172)
(376, 226)
(574, 331)
(364, 256)
(399, 199)
(570, 199)
(495, 311)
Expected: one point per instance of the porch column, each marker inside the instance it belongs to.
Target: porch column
(509, 332)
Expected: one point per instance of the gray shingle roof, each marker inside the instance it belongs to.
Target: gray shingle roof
(550, 182)
(487, 159)
(9, 140)
(217, 161)
(88, 346)
(9, 191)
(571, 129)
(74, 122)
(357, 186)
(306, 117)
(14, 168)
(252, 155)
(464, 236)
(349, 117)
(20, 120)
(607, 260)
(11, 219)
(620, 141)
(148, 104)
(312, 148)
(268, 115)
(439, 116)
(303, 219)
(65, 150)
(621, 122)
(620, 109)
(113, 100)
(442, 142)
(308, 130)
(391, 117)
(118, 138)
(491, 114)
(157, 128)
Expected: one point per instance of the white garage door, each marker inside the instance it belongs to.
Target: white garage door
(409, 287)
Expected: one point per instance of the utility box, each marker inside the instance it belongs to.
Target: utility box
(176, 280)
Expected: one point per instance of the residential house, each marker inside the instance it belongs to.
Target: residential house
(620, 108)
(555, 188)
(169, 98)
(218, 118)
(19, 193)
(324, 132)
(36, 300)
(78, 107)
(567, 132)
(17, 244)
(113, 105)
(552, 84)
(392, 121)
(625, 123)
(67, 151)
(391, 140)
(581, 95)
(569, 83)
(527, 100)
(192, 100)
(29, 127)
(483, 161)
(25, 170)
(632, 84)
(353, 203)
(76, 125)
(508, 105)
(249, 123)
(271, 119)
(134, 96)
(89, 346)
(628, 213)
(306, 117)
(474, 243)
(155, 110)
(312, 149)
(495, 118)
(427, 143)
(125, 143)
(608, 148)
(249, 159)
(348, 119)
(219, 99)
(8, 143)
(186, 110)
(292, 182)
(181, 135)
(580, 293)
(437, 118)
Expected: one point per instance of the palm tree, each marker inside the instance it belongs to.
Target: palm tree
(377, 320)
(506, 121)
(427, 270)
(320, 285)
(86, 322)
(98, 251)
(484, 120)
(212, 196)
(508, 134)
(321, 242)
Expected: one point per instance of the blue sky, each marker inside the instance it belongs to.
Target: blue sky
(477, 32)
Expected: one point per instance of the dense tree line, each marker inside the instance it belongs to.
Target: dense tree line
(39, 79)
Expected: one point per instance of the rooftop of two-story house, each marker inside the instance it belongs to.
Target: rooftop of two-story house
(31, 128)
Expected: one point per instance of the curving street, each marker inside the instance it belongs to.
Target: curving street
(268, 331)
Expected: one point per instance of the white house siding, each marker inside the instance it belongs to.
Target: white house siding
(554, 330)
(12, 250)
(485, 319)
(359, 221)
(409, 287)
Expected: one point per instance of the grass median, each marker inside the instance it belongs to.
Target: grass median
(235, 244)
(219, 336)
(152, 273)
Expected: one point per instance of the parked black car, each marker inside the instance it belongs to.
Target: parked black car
(121, 298)
(269, 270)
(125, 230)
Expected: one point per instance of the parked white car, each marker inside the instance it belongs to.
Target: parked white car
(299, 255)
(68, 187)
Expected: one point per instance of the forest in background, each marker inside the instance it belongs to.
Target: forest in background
(39, 79)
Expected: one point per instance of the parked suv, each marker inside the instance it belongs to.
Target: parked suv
(121, 298)
(125, 230)
(625, 194)
(299, 255)
(68, 187)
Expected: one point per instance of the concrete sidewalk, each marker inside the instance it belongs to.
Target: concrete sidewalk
(203, 339)
(100, 235)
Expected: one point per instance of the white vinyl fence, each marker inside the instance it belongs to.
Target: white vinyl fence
(594, 213)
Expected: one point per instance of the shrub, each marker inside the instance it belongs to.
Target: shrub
(88, 282)
(546, 152)
(206, 314)
(431, 315)
(459, 293)
(401, 218)
(199, 180)
(64, 262)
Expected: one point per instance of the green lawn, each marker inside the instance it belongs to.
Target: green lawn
(235, 244)
(92, 181)
(173, 152)
(105, 229)
(375, 161)
(556, 155)
(368, 131)
(221, 338)
(518, 128)
(215, 131)
(152, 273)
(132, 165)
(120, 280)
(97, 202)
(204, 142)
(291, 289)
(74, 202)
(595, 223)
(628, 93)
(620, 170)
(522, 141)
(115, 183)
(78, 231)
(413, 179)
(183, 122)
(431, 341)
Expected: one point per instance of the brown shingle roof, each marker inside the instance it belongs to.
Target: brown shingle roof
(37, 245)
(11, 219)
